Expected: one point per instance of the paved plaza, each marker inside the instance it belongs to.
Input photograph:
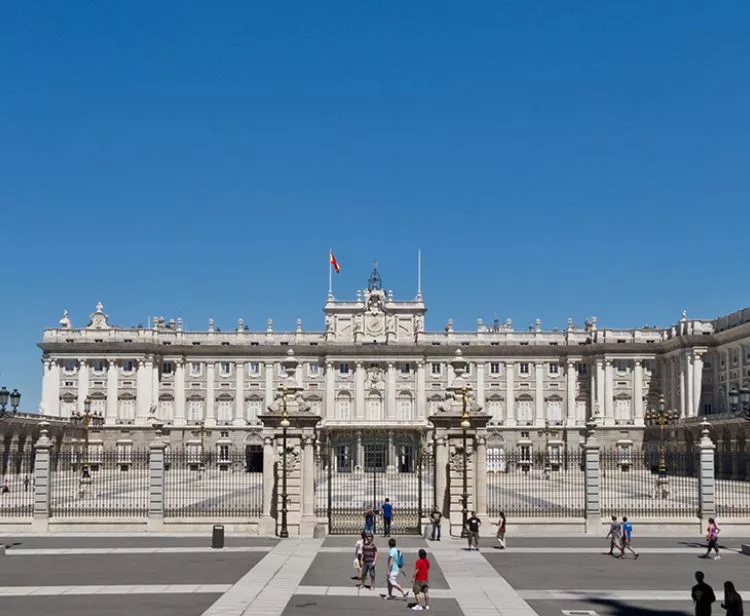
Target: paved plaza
(160, 575)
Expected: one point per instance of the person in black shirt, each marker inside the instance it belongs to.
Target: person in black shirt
(703, 596)
(732, 600)
(436, 517)
(472, 525)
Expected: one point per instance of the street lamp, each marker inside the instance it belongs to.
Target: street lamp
(15, 399)
(86, 419)
(739, 402)
(286, 389)
(547, 461)
(465, 425)
(661, 417)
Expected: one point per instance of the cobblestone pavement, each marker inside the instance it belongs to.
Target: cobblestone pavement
(161, 575)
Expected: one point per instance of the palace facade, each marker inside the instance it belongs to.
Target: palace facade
(374, 368)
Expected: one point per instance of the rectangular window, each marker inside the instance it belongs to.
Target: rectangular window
(253, 368)
(313, 369)
(98, 365)
(495, 368)
(583, 369)
(554, 369)
(435, 369)
(69, 365)
(405, 368)
(223, 453)
(195, 368)
(343, 368)
(622, 367)
(707, 409)
(128, 365)
(523, 368)
(225, 368)
(69, 383)
(167, 367)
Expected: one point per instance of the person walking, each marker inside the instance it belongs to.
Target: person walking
(501, 530)
(627, 534)
(436, 517)
(420, 581)
(387, 511)
(369, 560)
(703, 596)
(732, 600)
(712, 536)
(395, 564)
(369, 521)
(358, 554)
(472, 525)
(614, 534)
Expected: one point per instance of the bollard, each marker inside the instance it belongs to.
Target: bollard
(217, 538)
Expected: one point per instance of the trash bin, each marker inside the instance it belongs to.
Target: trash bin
(217, 538)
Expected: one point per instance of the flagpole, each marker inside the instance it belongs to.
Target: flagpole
(330, 274)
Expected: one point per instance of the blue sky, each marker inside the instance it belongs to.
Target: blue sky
(198, 159)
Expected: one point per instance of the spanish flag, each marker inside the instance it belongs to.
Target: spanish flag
(334, 263)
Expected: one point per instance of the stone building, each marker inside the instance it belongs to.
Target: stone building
(375, 369)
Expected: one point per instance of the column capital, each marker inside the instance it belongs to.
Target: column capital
(637, 361)
(358, 364)
(607, 362)
(112, 362)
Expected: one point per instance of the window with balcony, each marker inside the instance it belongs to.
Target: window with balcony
(99, 366)
(523, 368)
(495, 367)
(70, 366)
(225, 368)
(128, 366)
(344, 368)
(405, 368)
(554, 369)
(253, 368)
(583, 369)
(195, 368)
(167, 368)
(313, 369)
(435, 369)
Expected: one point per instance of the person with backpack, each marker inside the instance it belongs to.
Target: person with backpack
(712, 536)
(627, 532)
(395, 565)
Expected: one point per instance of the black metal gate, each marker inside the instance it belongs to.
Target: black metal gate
(358, 471)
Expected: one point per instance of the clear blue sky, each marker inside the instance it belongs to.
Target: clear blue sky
(198, 159)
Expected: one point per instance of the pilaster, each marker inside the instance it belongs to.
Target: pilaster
(441, 472)
(239, 394)
(210, 394)
(570, 391)
(330, 411)
(267, 522)
(609, 390)
(179, 392)
(112, 391)
(539, 393)
(391, 392)
(480, 456)
(359, 391)
(510, 397)
(83, 384)
(638, 392)
(420, 402)
(309, 521)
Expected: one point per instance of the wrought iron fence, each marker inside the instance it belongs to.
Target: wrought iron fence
(109, 484)
(632, 484)
(535, 486)
(17, 487)
(732, 486)
(212, 487)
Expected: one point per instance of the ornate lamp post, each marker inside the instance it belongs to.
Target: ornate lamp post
(465, 425)
(739, 401)
(86, 419)
(547, 461)
(661, 417)
(286, 389)
(15, 399)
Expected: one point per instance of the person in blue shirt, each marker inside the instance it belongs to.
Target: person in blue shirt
(627, 531)
(387, 511)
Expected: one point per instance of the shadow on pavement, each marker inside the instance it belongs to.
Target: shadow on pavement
(619, 608)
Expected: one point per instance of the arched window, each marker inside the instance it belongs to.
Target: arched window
(166, 408)
(553, 406)
(405, 406)
(524, 410)
(375, 406)
(224, 405)
(344, 406)
(195, 409)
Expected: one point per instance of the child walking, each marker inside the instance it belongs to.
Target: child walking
(420, 581)
(501, 530)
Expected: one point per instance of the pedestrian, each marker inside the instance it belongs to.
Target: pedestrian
(395, 564)
(472, 525)
(712, 536)
(26, 483)
(358, 547)
(369, 521)
(420, 581)
(627, 533)
(436, 517)
(703, 596)
(732, 600)
(614, 534)
(501, 530)
(369, 560)
(387, 510)
(5, 489)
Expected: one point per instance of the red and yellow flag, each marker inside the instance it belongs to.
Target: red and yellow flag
(335, 263)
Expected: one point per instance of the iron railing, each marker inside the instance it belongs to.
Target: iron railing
(216, 488)
(17, 485)
(732, 489)
(632, 484)
(535, 486)
(109, 484)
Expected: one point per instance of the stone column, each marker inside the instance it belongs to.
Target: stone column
(391, 465)
(441, 473)
(359, 391)
(592, 480)
(267, 523)
(419, 403)
(360, 452)
(112, 392)
(390, 401)
(510, 397)
(706, 481)
(570, 390)
(144, 387)
(179, 392)
(480, 382)
(83, 384)
(638, 392)
(309, 521)
(51, 388)
(539, 394)
(42, 471)
(156, 484)
(239, 395)
(690, 388)
(210, 394)
(609, 390)
(674, 383)
(330, 411)
(697, 382)
(683, 384)
(599, 373)
(268, 374)
(481, 475)
(155, 382)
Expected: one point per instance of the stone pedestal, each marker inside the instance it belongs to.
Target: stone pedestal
(592, 480)
(156, 485)
(706, 475)
(40, 520)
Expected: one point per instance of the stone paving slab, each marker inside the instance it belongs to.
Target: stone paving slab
(694, 542)
(114, 551)
(349, 541)
(596, 571)
(130, 569)
(109, 605)
(117, 589)
(132, 541)
(349, 591)
(337, 570)
(619, 608)
(317, 605)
